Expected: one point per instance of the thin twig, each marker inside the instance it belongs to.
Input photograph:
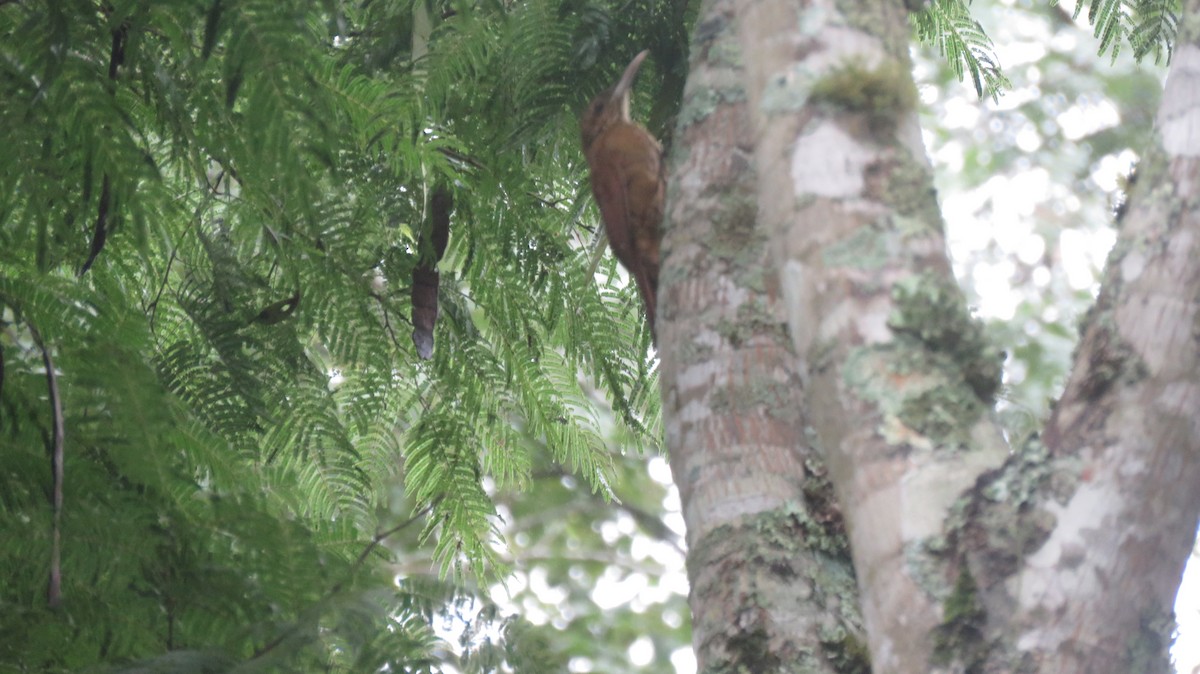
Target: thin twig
(548, 203)
(100, 230)
(458, 156)
(210, 194)
(337, 587)
(153, 308)
(382, 536)
(54, 589)
(650, 522)
(387, 322)
(598, 247)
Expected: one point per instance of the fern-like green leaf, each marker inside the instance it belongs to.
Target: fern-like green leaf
(948, 26)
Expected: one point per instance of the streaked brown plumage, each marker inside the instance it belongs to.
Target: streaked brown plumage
(628, 181)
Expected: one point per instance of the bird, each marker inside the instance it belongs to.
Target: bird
(629, 183)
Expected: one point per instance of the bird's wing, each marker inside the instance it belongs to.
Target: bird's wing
(626, 167)
(627, 178)
(608, 184)
(645, 186)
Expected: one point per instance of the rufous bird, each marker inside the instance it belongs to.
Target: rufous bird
(629, 182)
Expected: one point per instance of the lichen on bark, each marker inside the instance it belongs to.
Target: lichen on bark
(931, 308)
(881, 93)
(781, 556)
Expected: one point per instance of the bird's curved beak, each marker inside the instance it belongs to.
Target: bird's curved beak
(623, 86)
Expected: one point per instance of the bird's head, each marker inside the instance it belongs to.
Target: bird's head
(611, 105)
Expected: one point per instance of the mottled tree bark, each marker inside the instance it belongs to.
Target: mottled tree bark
(899, 378)
(772, 586)
(1123, 442)
(810, 319)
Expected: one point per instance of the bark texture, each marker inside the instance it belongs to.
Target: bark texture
(1124, 440)
(811, 328)
(772, 586)
(900, 380)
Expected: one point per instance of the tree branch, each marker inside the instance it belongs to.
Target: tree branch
(54, 588)
(100, 230)
(384, 535)
(116, 58)
(378, 538)
(152, 309)
(387, 322)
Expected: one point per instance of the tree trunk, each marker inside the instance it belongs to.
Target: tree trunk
(772, 586)
(810, 319)
(1123, 442)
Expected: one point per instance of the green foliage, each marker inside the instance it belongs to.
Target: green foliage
(589, 551)
(211, 219)
(958, 37)
(1149, 26)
